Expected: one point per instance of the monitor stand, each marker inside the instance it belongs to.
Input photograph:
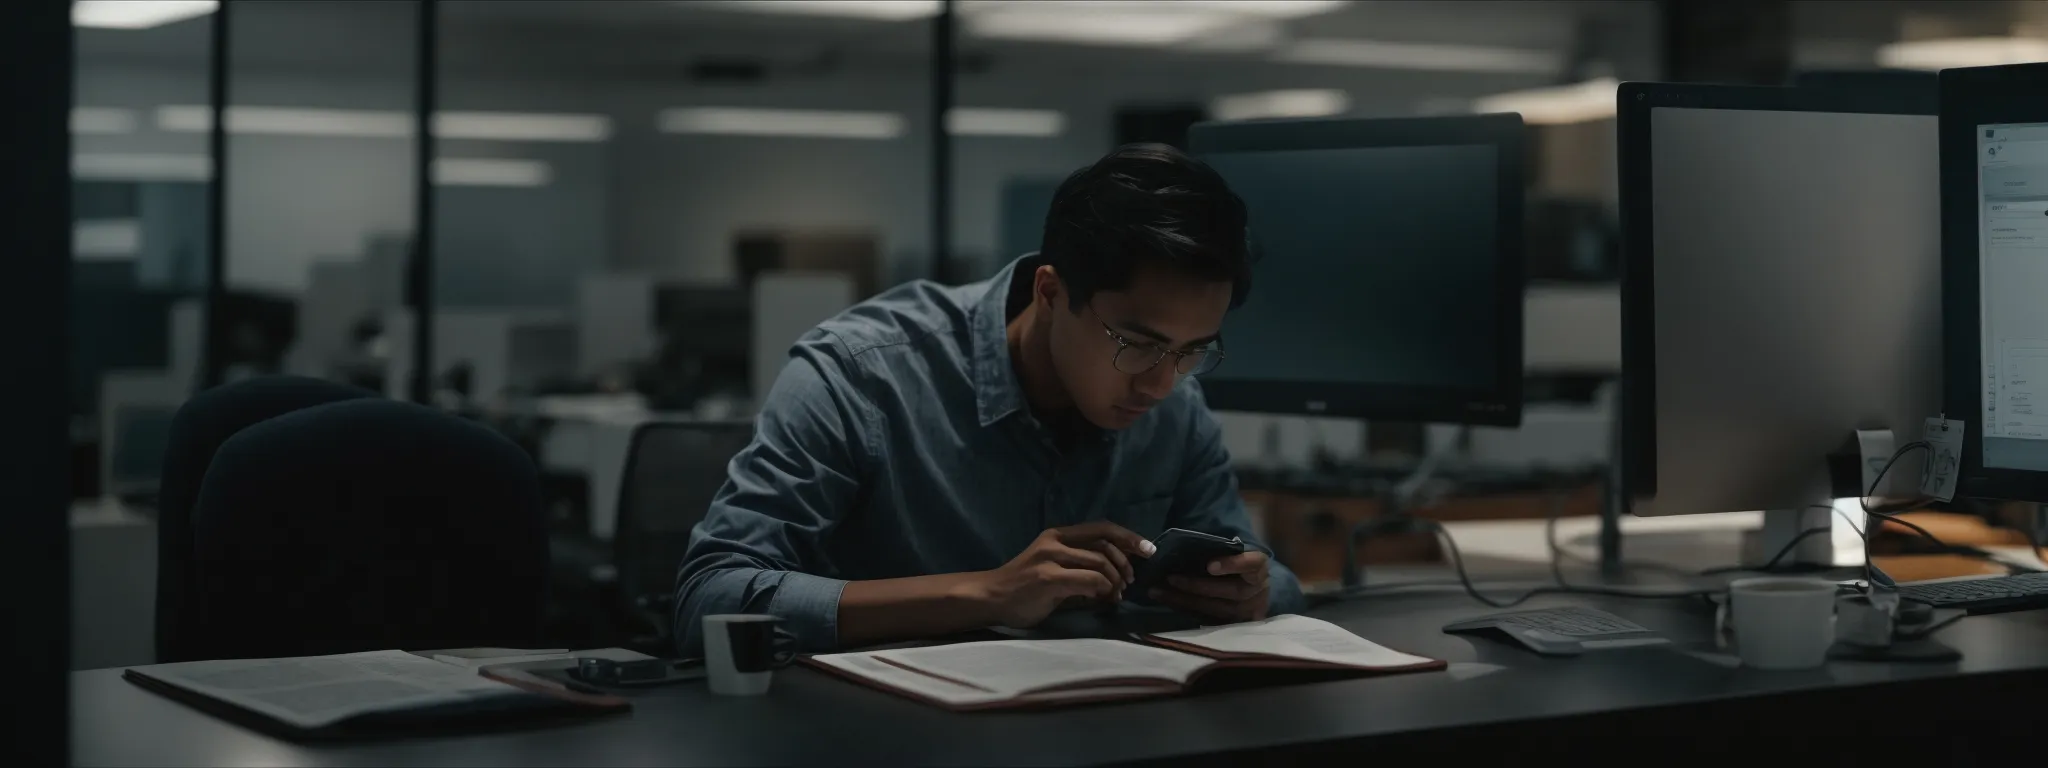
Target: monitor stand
(1781, 526)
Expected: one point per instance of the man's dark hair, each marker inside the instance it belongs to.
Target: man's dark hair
(1146, 204)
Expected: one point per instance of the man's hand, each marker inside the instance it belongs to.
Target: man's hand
(1089, 562)
(1234, 590)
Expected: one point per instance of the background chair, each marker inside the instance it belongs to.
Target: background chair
(357, 524)
(673, 469)
(201, 425)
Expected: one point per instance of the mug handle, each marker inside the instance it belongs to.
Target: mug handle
(1724, 630)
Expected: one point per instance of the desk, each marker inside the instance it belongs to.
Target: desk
(1494, 698)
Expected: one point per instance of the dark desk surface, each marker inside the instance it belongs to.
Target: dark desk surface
(810, 718)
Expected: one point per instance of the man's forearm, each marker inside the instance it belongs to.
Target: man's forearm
(887, 610)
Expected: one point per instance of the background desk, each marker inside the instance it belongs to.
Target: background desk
(1494, 698)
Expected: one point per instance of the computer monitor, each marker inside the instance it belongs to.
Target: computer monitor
(1780, 290)
(1994, 184)
(1389, 275)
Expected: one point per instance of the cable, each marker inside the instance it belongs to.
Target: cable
(1465, 580)
(1550, 538)
(1940, 546)
(1559, 553)
(1771, 565)
(1879, 479)
(1556, 551)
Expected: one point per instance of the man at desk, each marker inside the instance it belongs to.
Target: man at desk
(940, 459)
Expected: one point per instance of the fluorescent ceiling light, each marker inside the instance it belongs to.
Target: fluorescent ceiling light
(1301, 102)
(880, 10)
(287, 121)
(1269, 9)
(141, 167)
(1098, 23)
(366, 123)
(471, 172)
(1263, 9)
(1577, 103)
(994, 121)
(521, 126)
(1962, 52)
(102, 120)
(137, 14)
(479, 172)
(812, 123)
(1424, 56)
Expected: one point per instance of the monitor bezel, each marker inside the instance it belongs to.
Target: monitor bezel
(1970, 97)
(1634, 102)
(1499, 403)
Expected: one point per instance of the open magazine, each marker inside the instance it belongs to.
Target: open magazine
(336, 695)
(1026, 673)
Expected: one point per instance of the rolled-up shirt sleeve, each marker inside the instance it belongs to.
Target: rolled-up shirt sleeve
(1208, 501)
(759, 549)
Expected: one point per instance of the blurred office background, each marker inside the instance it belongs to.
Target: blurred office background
(634, 206)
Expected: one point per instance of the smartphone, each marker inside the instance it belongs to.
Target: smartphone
(1180, 551)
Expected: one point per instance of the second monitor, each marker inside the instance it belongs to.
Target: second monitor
(1781, 288)
(1389, 275)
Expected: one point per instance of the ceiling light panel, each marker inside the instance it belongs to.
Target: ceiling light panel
(1301, 102)
(996, 121)
(137, 14)
(1382, 54)
(804, 123)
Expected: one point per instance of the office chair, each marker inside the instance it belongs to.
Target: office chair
(673, 469)
(360, 524)
(197, 431)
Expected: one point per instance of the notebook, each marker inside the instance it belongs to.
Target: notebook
(1004, 674)
(363, 693)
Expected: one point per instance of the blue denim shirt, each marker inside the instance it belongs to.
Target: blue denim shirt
(897, 442)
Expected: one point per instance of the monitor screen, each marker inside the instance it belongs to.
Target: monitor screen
(1377, 266)
(2012, 205)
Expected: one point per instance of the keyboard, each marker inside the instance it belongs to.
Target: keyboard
(1563, 631)
(2019, 592)
(1571, 621)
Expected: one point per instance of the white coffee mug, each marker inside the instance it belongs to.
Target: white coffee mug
(739, 653)
(1782, 623)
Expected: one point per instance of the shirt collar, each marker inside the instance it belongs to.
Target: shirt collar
(997, 393)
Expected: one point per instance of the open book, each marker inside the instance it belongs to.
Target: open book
(356, 693)
(1023, 673)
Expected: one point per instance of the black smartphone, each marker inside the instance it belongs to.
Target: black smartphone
(1180, 551)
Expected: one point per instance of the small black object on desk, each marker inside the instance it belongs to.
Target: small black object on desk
(598, 675)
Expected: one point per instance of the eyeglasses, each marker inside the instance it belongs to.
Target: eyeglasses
(1136, 357)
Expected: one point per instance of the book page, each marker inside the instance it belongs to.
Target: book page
(1296, 637)
(1013, 667)
(317, 691)
(865, 665)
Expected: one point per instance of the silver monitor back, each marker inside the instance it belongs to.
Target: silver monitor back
(1794, 263)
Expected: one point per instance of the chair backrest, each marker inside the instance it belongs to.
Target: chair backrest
(205, 422)
(362, 525)
(673, 468)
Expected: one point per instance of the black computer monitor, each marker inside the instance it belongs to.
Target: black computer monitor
(1781, 257)
(1390, 274)
(1994, 225)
